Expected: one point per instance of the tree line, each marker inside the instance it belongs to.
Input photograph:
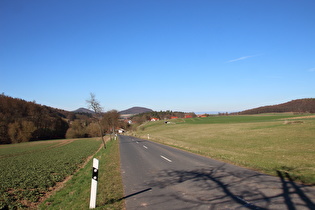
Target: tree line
(83, 128)
(306, 105)
(161, 115)
(23, 121)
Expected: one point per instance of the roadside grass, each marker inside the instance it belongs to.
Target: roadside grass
(267, 143)
(76, 192)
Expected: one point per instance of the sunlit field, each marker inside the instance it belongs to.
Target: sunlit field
(29, 170)
(267, 143)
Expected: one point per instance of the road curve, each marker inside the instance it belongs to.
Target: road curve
(156, 176)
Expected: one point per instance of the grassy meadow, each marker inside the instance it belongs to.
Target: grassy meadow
(30, 171)
(266, 143)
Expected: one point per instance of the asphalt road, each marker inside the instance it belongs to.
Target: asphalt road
(156, 176)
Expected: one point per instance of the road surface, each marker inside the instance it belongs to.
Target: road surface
(156, 176)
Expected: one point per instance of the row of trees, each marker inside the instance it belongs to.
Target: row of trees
(23, 121)
(107, 123)
(161, 115)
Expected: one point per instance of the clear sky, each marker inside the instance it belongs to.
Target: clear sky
(180, 55)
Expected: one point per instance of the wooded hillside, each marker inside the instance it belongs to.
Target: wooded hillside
(135, 110)
(306, 105)
(23, 121)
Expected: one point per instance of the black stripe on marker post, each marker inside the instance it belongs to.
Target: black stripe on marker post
(95, 174)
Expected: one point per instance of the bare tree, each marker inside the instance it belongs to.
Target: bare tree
(97, 108)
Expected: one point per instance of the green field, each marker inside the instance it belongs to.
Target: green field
(29, 170)
(266, 143)
(76, 192)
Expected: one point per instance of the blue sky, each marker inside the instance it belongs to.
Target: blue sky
(180, 55)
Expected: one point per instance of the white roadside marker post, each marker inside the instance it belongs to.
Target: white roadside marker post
(94, 184)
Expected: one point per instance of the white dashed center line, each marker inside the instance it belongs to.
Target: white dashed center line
(165, 158)
(145, 147)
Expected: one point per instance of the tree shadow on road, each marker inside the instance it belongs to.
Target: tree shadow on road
(288, 191)
(220, 188)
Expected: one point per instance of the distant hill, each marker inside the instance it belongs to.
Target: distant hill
(83, 110)
(135, 110)
(306, 105)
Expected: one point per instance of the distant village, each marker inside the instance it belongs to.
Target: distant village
(138, 119)
(186, 116)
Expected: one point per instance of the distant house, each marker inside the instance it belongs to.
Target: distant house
(128, 121)
(202, 115)
(173, 117)
(188, 116)
(154, 119)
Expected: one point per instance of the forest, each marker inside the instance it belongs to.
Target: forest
(306, 105)
(23, 121)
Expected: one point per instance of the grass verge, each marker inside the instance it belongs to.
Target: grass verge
(76, 192)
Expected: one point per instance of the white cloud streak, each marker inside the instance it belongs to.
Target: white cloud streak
(241, 58)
